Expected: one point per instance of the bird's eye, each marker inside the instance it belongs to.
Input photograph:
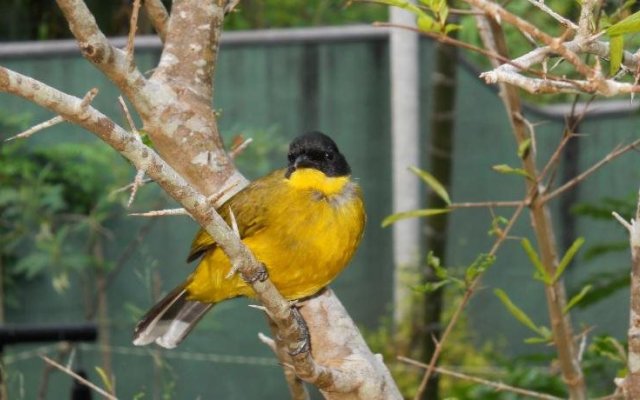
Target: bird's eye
(291, 157)
(328, 156)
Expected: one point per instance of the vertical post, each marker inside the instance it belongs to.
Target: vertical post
(404, 137)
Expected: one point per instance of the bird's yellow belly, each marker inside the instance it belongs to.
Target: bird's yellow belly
(302, 254)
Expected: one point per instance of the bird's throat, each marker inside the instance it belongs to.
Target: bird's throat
(312, 179)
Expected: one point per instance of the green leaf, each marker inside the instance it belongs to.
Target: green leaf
(609, 347)
(496, 226)
(616, 51)
(524, 147)
(568, 256)
(434, 262)
(404, 4)
(536, 340)
(146, 139)
(451, 27)
(545, 336)
(630, 24)
(478, 266)
(427, 212)
(541, 271)
(605, 284)
(105, 379)
(426, 23)
(505, 169)
(576, 299)
(517, 312)
(433, 183)
(430, 287)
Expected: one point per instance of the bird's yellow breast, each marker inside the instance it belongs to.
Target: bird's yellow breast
(309, 229)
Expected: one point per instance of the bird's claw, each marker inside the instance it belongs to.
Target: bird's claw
(305, 338)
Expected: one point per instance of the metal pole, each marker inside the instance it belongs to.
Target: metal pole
(404, 132)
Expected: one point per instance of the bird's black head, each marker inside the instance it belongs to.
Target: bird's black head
(317, 150)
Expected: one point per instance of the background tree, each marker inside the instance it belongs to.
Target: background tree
(174, 104)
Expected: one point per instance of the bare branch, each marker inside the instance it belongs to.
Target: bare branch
(158, 15)
(586, 17)
(267, 341)
(500, 14)
(133, 28)
(163, 213)
(235, 152)
(137, 182)
(555, 292)
(567, 23)
(465, 300)
(230, 6)
(111, 61)
(583, 43)
(80, 379)
(487, 204)
(36, 128)
(631, 383)
(608, 158)
(127, 114)
(622, 221)
(499, 386)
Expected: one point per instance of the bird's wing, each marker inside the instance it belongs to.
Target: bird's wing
(249, 208)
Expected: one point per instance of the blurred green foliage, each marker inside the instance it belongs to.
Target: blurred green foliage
(265, 152)
(54, 203)
(40, 20)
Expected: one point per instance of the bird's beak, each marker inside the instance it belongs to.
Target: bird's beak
(302, 161)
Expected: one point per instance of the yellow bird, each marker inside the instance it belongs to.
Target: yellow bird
(303, 222)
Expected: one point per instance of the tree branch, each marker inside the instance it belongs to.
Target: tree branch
(158, 15)
(499, 386)
(80, 379)
(541, 224)
(358, 371)
(188, 58)
(204, 163)
(631, 383)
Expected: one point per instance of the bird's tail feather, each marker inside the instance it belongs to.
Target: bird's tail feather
(170, 320)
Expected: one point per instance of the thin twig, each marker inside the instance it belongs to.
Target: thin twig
(268, 341)
(608, 158)
(162, 213)
(463, 45)
(36, 128)
(86, 100)
(499, 386)
(158, 15)
(465, 299)
(240, 148)
(127, 114)
(487, 204)
(567, 23)
(230, 6)
(133, 27)
(79, 378)
(128, 186)
(556, 44)
(622, 221)
(137, 182)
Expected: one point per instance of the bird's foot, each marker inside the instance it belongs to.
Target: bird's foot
(259, 275)
(305, 338)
